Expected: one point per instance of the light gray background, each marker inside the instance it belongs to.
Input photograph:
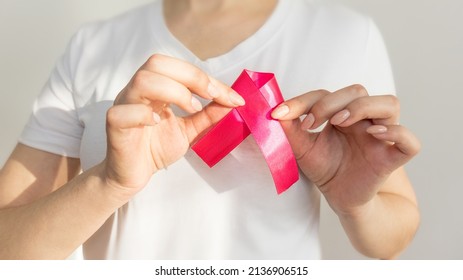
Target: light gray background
(425, 41)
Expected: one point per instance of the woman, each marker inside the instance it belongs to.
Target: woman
(145, 77)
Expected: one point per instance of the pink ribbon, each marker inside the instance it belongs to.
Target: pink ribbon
(262, 94)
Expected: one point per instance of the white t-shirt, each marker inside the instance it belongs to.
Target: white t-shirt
(191, 211)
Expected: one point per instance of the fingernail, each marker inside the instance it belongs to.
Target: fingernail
(156, 118)
(377, 129)
(236, 99)
(280, 111)
(196, 104)
(212, 90)
(340, 117)
(308, 122)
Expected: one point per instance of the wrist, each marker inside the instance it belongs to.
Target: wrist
(112, 190)
(357, 213)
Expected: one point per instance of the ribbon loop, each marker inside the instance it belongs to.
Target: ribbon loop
(262, 94)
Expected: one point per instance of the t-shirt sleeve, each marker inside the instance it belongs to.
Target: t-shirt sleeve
(378, 73)
(54, 124)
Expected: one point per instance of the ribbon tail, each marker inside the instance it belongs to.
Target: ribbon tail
(222, 139)
(267, 132)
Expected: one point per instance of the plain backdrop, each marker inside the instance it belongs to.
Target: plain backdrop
(425, 42)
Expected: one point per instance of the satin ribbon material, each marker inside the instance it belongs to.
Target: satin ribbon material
(262, 94)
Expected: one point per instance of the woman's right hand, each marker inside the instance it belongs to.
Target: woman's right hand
(143, 133)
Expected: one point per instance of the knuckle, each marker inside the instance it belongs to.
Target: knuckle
(140, 79)
(155, 61)
(199, 77)
(312, 101)
(419, 145)
(415, 144)
(320, 98)
(358, 90)
(361, 103)
(320, 108)
(395, 102)
(297, 106)
(297, 103)
(415, 148)
(323, 104)
(322, 93)
(111, 115)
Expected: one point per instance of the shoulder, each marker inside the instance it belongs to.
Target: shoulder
(336, 44)
(337, 20)
(100, 44)
(122, 26)
(331, 26)
(104, 49)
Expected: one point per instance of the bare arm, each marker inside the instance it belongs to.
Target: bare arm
(46, 214)
(37, 222)
(387, 224)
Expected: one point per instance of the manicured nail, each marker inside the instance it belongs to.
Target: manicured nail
(377, 129)
(236, 99)
(280, 111)
(196, 104)
(308, 122)
(156, 118)
(212, 90)
(340, 117)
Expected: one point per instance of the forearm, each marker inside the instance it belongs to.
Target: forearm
(54, 226)
(382, 228)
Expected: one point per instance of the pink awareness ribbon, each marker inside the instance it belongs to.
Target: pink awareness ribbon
(262, 94)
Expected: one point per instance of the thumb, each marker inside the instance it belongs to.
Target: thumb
(199, 123)
(299, 139)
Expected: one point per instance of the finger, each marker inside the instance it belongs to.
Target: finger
(404, 140)
(298, 106)
(156, 90)
(383, 109)
(331, 104)
(199, 123)
(227, 96)
(130, 115)
(194, 79)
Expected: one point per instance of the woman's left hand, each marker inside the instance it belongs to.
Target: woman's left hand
(358, 148)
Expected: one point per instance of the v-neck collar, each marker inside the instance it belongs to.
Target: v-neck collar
(170, 45)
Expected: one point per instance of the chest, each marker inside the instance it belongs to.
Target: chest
(215, 34)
